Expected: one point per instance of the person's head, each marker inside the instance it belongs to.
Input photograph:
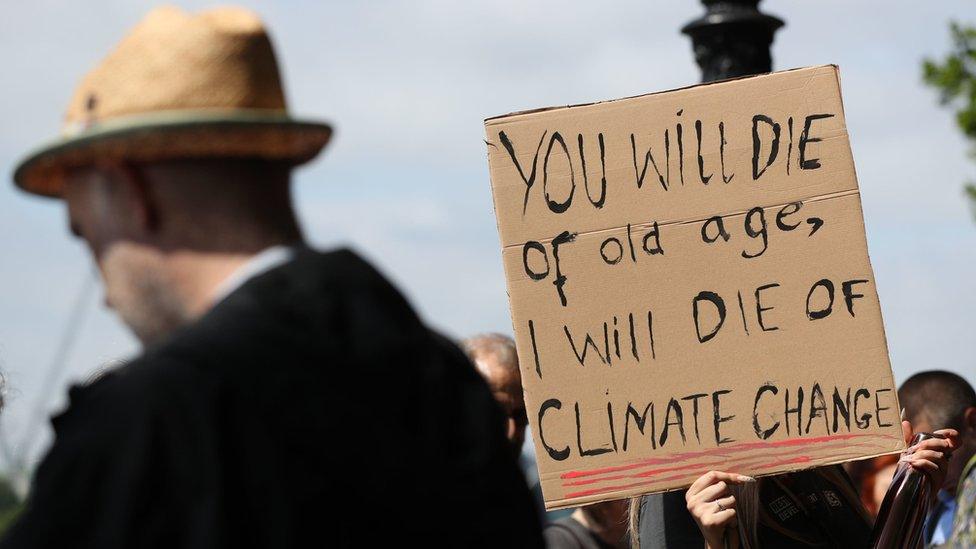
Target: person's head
(496, 360)
(164, 234)
(938, 399)
(174, 160)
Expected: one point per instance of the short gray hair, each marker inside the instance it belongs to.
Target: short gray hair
(498, 345)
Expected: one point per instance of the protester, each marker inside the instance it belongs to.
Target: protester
(934, 400)
(812, 508)
(964, 523)
(597, 526)
(282, 392)
(496, 359)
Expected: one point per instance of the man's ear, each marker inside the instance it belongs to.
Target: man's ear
(133, 193)
(969, 421)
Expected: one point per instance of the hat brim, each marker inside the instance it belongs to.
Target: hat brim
(173, 135)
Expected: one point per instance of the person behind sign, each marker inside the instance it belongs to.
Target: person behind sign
(933, 400)
(964, 522)
(596, 526)
(812, 508)
(495, 358)
(281, 390)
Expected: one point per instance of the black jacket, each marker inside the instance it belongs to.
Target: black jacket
(310, 408)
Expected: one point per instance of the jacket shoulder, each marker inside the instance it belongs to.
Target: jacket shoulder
(126, 398)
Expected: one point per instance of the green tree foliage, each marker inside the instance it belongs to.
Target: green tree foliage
(955, 78)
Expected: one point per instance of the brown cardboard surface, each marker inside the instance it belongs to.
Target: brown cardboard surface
(627, 392)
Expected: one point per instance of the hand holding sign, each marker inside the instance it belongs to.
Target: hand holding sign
(713, 506)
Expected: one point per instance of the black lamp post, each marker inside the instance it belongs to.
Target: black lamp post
(732, 39)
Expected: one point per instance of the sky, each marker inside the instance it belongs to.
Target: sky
(407, 85)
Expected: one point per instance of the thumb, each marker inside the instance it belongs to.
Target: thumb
(906, 431)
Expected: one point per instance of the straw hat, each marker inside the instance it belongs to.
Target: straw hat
(178, 86)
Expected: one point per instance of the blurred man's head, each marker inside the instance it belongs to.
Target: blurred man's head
(165, 234)
(936, 400)
(174, 161)
(495, 358)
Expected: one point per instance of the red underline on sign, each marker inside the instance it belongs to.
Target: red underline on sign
(753, 465)
(722, 450)
(732, 463)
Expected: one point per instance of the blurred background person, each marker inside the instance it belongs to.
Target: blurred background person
(495, 358)
(935, 400)
(964, 523)
(280, 390)
(598, 526)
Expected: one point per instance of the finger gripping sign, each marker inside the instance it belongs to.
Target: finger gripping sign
(690, 286)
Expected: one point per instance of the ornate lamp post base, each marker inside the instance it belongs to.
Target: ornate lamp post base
(732, 39)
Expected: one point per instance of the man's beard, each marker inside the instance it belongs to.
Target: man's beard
(148, 305)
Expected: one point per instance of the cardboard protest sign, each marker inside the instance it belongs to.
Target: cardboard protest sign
(690, 286)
